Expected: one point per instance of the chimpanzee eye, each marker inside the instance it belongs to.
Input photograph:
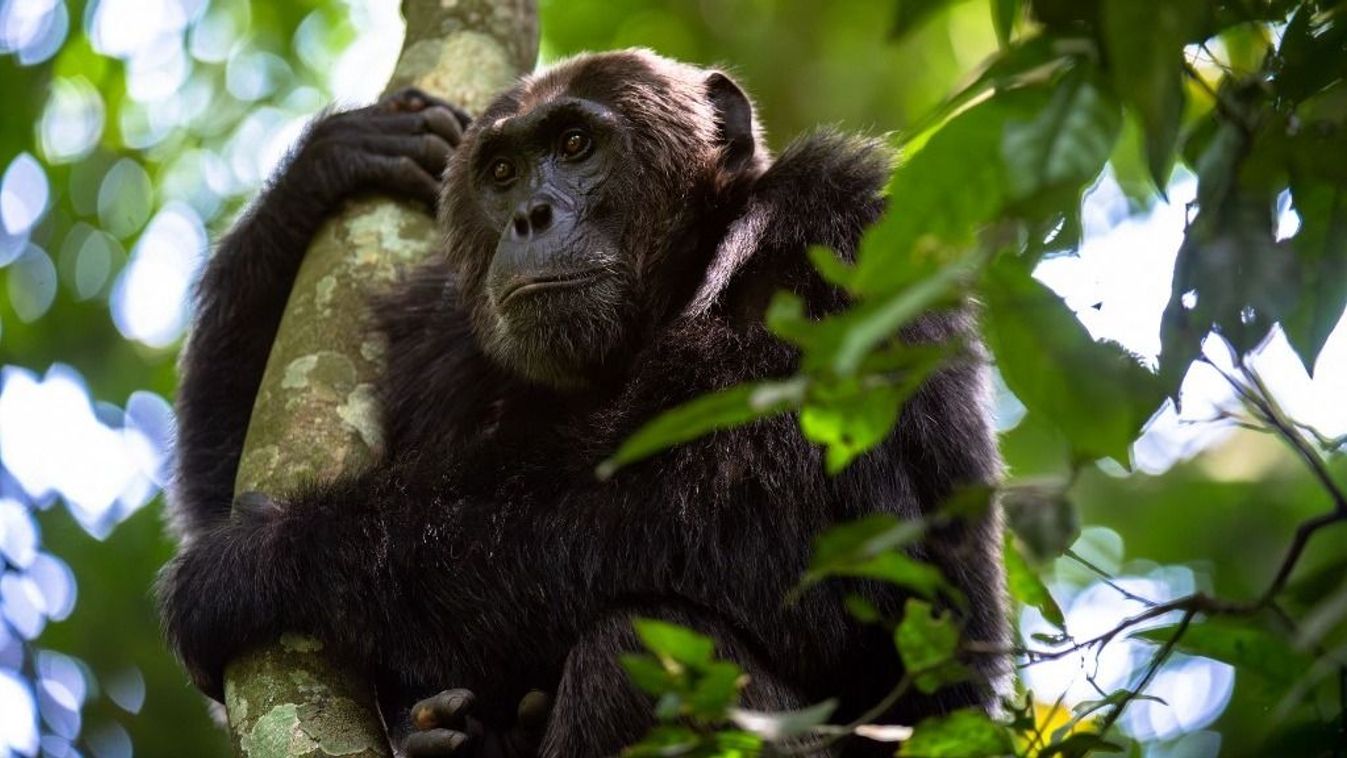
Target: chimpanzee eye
(575, 143)
(502, 171)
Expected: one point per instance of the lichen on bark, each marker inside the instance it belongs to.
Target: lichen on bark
(315, 415)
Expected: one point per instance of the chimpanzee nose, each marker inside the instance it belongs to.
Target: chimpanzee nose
(532, 218)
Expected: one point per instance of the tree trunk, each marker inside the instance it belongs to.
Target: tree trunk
(315, 415)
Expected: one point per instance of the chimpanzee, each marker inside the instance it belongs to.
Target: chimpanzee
(613, 230)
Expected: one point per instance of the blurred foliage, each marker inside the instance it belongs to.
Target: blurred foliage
(1248, 97)
(136, 112)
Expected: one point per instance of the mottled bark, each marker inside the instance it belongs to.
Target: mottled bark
(315, 412)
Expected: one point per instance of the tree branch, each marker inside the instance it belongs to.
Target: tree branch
(316, 412)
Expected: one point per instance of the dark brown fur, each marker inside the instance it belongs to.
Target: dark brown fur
(483, 553)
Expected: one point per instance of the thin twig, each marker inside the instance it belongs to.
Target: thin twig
(1108, 579)
(1151, 671)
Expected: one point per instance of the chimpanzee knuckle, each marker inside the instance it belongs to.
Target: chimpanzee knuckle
(442, 122)
(404, 168)
(407, 99)
(336, 123)
(436, 743)
(435, 150)
(323, 149)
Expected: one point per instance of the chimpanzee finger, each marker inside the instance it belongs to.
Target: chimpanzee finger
(438, 121)
(444, 122)
(428, 150)
(402, 176)
(534, 709)
(405, 100)
(530, 724)
(435, 743)
(448, 709)
(411, 100)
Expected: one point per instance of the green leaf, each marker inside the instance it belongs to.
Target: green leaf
(1043, 517)
(863, 610)
(735, 406)
(851, 415)
(1313, 53)
(1144, 44)
(647, 673)
(675, 642)
(1026, 586)
(967, 733)
(851, 423)
(1128, 163)
(1042, 351)
(779, 725)
(895, 568)
(1231, 275)
(716, 690)
(1029, 59)
(1320, 248)
(1066, 144)
(1004, 14)
(928, 643)
(869, 548)
(1248, 648)
(665, 740)
(911, 13)
(864, 538)
(955, 183)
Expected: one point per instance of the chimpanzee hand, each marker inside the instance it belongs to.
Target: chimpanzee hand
(399, 145)
(209, 596)
(445, 727)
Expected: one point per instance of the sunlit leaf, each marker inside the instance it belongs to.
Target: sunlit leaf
(1320, 248)
(851, 415)
(647, 673)
(955, 183)
(1026, 586)
(967, 733)
(1004, 15)
(716, 689)
(1065, 145)
(778, 725)
(675, 642)
(911, 13)
(895, 568)
(863, 538)
(1096, 393)
(1144, 43)
(862, 609)
(718, 410)
(928, 642)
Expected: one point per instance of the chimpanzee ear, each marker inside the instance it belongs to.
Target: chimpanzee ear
(734, 115)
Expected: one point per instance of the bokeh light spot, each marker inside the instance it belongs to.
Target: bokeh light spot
(150, 299)
(124, 199)
(72, 121)
(23, 194)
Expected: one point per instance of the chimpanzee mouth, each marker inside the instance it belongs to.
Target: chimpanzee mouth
(520, 286)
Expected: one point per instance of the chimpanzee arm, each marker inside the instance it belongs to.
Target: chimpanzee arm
(398, 146)
(336, 561)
